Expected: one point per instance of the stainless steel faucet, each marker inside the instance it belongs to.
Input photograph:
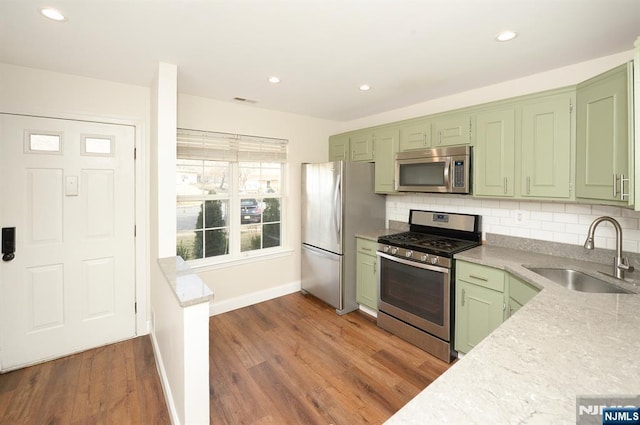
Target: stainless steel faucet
(620, 263)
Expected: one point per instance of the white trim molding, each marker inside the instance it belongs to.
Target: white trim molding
(224, 306)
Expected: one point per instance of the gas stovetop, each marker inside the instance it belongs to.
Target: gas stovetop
(429, 244)
(433, 237)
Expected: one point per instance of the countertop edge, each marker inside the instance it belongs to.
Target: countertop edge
(186, 285)
(531, 369)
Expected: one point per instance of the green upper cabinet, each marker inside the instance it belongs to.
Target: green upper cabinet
(452, 129)
(524, 148)
(339, 147)
(361, 145)
(415, 135)
(494, 154)
(546, 147)
(385, 148)
(603, 167)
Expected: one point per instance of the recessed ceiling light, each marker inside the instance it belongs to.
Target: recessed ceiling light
(506, 36)
(365, 87)
(53, 14)
(274, 80)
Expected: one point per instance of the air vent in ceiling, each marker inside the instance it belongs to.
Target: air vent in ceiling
(242, 99)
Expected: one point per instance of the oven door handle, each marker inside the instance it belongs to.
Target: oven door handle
(413, 263)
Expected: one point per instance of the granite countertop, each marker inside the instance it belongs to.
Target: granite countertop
(560, 345)
(373, 235)
(187, 286)
(393, 227)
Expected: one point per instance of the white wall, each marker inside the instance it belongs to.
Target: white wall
(241, 284)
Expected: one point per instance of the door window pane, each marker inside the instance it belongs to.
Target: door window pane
(44, 142)
(98, 145)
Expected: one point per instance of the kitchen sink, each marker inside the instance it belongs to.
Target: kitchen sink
(578, 281)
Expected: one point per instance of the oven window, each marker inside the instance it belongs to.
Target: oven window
(422, 174)
(415, 290)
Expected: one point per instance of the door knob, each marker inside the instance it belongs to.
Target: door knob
(8, 243)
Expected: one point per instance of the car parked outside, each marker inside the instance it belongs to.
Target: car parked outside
(250, 211)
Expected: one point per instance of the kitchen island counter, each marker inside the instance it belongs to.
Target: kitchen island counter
(560, 345)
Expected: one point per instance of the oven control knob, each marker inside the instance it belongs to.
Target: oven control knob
(408, 254)
(434, 260)
(394, 250)
(386, 248)
(424, 257)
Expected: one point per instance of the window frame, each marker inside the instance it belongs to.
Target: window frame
(234, 197)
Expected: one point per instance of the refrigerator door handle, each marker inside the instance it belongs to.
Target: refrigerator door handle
(337, 208)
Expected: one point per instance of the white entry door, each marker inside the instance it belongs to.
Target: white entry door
(68, 189)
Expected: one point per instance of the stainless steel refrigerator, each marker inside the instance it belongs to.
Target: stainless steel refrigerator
(338, 202)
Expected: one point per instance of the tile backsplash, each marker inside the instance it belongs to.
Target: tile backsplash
(547, 221)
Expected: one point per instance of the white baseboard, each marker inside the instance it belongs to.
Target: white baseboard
(368, 310)
(252, 298)
(168, 395)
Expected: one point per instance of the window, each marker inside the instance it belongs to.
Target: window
(229, 195)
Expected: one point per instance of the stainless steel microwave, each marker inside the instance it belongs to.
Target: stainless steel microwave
(437, 170)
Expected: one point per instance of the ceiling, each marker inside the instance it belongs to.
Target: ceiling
(408, 51)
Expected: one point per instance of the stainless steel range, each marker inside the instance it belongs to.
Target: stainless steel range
(416, 275)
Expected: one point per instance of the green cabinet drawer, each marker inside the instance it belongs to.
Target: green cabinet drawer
(366, 246)
(487, 277)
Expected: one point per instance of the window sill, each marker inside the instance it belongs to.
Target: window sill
(213, 264)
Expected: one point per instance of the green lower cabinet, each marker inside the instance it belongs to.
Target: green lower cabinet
(520, 293)
(366, 274)
(479, 311)
(482, 296)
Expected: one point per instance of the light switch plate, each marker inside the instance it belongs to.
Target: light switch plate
(71, 186)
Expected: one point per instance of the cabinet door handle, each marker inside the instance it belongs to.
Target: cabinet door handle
(504, 306)
(505, 185)
(484, 279)
(615, 185)
(622, 194)
(528, 185)
(464, 295)
(366, 249)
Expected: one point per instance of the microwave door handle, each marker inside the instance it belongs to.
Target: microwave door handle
(448, 173)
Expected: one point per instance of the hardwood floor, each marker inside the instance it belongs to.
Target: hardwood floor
(114, 384)
(292, 360)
